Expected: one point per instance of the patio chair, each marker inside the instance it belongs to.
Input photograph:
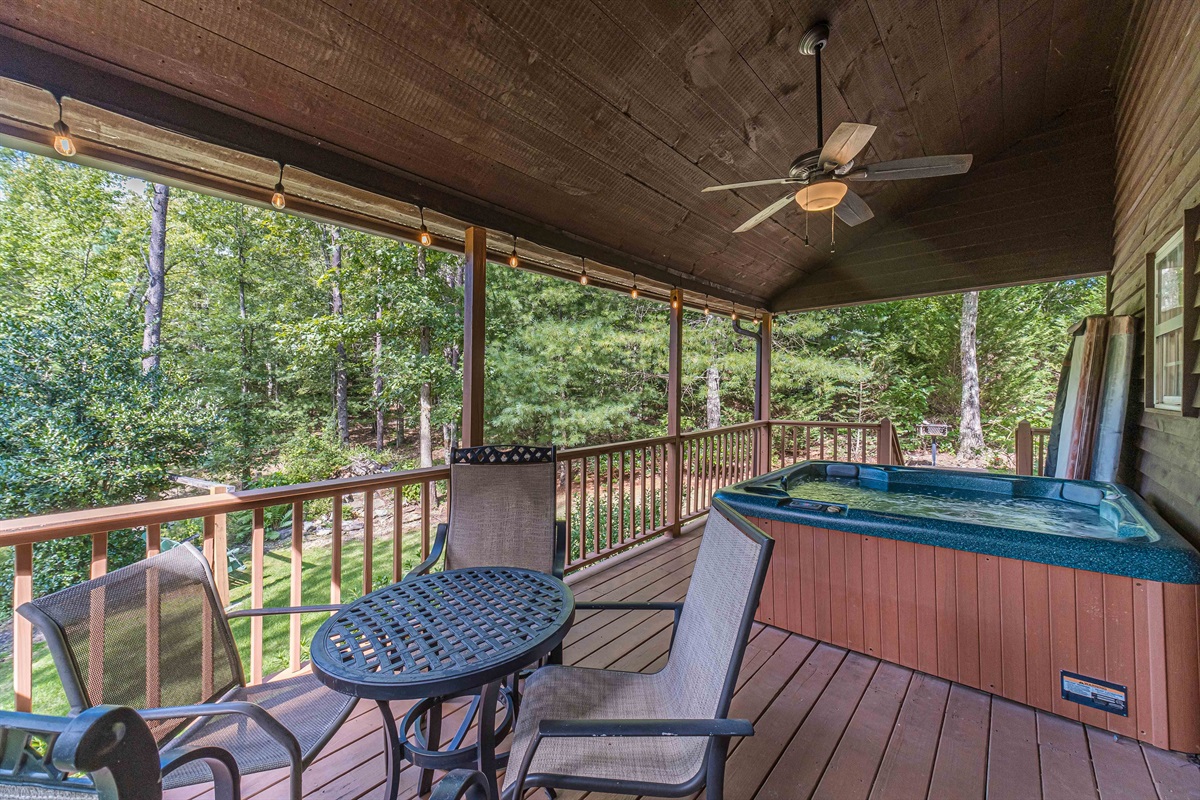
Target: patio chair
(106, 752)
(154, 636)
(663, 734)
(502, 514)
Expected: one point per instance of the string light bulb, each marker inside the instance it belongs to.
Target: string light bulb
(674, 301)
(62, 135)
(279, 199)
(634, 292)
(426, 238)
(513, 261)
(733, 315)
(583, 278)
(707, 310)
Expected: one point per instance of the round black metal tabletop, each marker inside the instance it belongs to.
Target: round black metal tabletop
(443, 633)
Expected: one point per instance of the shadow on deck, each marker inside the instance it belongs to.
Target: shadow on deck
(829, 723)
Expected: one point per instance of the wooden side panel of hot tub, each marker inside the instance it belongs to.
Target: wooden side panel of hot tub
(1001, 625)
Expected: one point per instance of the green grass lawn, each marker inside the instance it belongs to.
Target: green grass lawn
(48, 697)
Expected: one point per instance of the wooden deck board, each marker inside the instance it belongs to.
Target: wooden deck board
(829, 724)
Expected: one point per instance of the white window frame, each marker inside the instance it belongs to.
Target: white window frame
(1173, 402)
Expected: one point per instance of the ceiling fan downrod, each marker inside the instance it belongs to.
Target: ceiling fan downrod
(811, 44)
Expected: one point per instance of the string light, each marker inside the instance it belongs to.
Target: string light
(583, 278)
(62, 135)
(279, 200)
(674, 299)
(513, 260)
(707, 310)
(426, 238)
(634, 292)
(733, 315)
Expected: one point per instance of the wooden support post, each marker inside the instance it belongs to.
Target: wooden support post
(883, 445)
(1024, 448)
(674, 396)
(474, 306)
(22, 647)
(762, 397)
(220, 551)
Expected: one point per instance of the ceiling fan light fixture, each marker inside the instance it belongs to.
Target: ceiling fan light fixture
(821, 196)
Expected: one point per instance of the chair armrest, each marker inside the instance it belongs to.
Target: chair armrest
(109, 743)
(266, 612)
(435, 553)
(271, 726)
(576, 728)
(227, 778)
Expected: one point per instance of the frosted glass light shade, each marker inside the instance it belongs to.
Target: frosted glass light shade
(821, 196)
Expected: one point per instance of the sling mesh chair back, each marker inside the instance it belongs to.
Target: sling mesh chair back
(106, 752)
(661, 734)
(153, 635)
(502, 507)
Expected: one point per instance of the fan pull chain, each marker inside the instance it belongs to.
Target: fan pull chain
(832, 231)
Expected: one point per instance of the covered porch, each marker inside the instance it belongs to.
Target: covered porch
(576, 140)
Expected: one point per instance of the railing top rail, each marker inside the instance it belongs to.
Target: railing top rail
(46, 527)
(604, 449)
(827, 424)
(741, 426)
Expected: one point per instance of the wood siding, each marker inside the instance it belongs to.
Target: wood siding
(1041, 210)
(1003, 626)
(1158, 180)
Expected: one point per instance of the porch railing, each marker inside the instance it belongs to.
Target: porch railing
(613, 497)
(1031, 445)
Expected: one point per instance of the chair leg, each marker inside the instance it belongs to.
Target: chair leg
(718, 749)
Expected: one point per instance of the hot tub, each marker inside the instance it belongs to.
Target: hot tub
(1070, 596)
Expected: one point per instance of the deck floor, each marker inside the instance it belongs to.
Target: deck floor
(829, 723)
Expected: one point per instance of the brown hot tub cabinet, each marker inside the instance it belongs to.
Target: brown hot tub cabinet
(1008, 626)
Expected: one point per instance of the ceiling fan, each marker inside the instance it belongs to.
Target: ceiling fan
(822, 173)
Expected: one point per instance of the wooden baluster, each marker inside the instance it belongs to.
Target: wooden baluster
(368, 540)
(608, 514)
(258, 541)
(296, 597)
(22, 628)
(97, 611)
(426, 491)
(596, 506)
(821, 431)
(335, 565)
(621, 487)
(568, 490)
(583, 523)
(657, 508)
(397, 533)
(642, 479)
(153, 617)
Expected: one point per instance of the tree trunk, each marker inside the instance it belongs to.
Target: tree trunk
(425, 411)
(156, 269)
(713, 405)
(340, 384)
(970, 428)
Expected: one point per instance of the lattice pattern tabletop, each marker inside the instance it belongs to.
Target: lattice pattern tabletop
(442, 633)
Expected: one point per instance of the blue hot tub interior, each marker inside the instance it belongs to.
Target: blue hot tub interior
(1096, 526)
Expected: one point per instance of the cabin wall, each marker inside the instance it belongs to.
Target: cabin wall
(1157, 179)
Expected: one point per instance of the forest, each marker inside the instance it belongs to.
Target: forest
(152, 331)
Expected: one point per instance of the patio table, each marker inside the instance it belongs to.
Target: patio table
(442, 635)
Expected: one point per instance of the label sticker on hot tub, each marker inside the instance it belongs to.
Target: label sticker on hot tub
(1095, 693)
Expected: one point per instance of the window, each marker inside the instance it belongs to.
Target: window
(1168, 324)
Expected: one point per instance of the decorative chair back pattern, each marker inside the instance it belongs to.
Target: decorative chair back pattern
(717, 614)
(147, 635)
(502, 507)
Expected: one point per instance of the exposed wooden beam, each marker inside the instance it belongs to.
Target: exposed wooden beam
(474, 326)
(68, 73)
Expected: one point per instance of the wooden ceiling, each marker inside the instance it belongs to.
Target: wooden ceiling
(590, 125)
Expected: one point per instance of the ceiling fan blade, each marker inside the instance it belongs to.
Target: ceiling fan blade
(748, 184)
(909, 168)
(766, 212)
(845, 143)
(853, 210)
